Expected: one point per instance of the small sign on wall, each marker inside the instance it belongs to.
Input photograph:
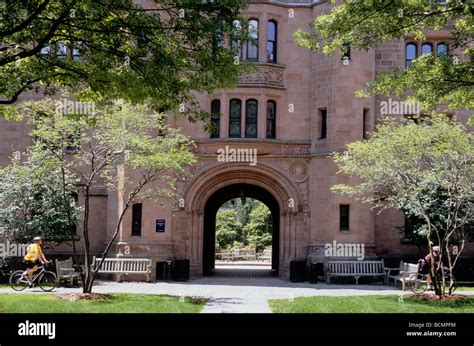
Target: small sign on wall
(160, 225)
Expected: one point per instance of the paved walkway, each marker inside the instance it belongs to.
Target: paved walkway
(235, 293)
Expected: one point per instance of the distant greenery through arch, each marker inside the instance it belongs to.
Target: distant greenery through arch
(243, 225)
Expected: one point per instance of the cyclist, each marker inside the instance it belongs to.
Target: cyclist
(427, 262)
(33, 258)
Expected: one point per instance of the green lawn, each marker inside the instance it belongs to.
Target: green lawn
(378, 304)
(119, 303)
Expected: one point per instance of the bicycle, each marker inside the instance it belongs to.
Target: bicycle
(46, 280)
(418, 282)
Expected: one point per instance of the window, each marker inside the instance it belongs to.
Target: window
(426, 48)
(45, 51)
(73, 226)
(76, 55)
(236, 42)
(137, 219)
(365, 123)
(344, 217)
(323, 125)
(346, 51)
(235, 114)
(442, 49)
(410, 54)
(61, 51)
(252, 45)
(217, 41)
(271, 119)
(215, 118)
(251, 118)
(272, 41)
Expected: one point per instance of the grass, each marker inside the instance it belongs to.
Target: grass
(118, 303)
(370, 304)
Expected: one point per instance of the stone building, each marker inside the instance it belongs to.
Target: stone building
(295, 110)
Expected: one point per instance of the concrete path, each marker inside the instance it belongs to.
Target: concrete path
(238, 293)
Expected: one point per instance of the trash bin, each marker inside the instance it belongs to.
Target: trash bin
(297, 271)
(163, 270)
(313, 275)
(180, 270)
(316, 271)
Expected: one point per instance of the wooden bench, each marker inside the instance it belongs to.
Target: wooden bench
(124, 266)
(66, 273)
(403, 273)
(244, 254)
(225, 256)
(266, 255)
(355, 269)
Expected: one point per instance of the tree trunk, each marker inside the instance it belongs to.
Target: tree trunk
(86, 284)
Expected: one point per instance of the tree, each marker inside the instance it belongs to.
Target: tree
(228, 229)
(37, 199)
(425, 170)
(119, 50)
(125, 148)
(431, 79)
(259, 228)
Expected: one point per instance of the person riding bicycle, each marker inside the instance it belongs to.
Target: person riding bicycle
(33, 258)
(427, 262)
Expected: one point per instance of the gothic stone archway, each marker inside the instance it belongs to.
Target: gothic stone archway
(223, 195)
(188, 235)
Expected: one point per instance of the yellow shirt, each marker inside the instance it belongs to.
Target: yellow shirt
(34, 250)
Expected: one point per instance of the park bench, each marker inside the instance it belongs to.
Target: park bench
(225, 256)
(124, 266)
(355, 269)
(244, 254)
(266, 255)
(66, 273)
(404, 273)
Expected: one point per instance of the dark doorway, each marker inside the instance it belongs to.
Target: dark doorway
(220, 197)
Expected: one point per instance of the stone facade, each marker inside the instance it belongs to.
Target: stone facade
(294, 166)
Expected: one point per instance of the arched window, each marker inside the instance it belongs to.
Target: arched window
(271, 41)
(410, 54)
(235, 113)
(252, 45)
(271, 119)
(442, 49)
(251, 118)
(215, 118)
(426, 48)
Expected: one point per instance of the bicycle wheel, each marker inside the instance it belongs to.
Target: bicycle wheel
(17, 282)
(47, 281)
(417, 283)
